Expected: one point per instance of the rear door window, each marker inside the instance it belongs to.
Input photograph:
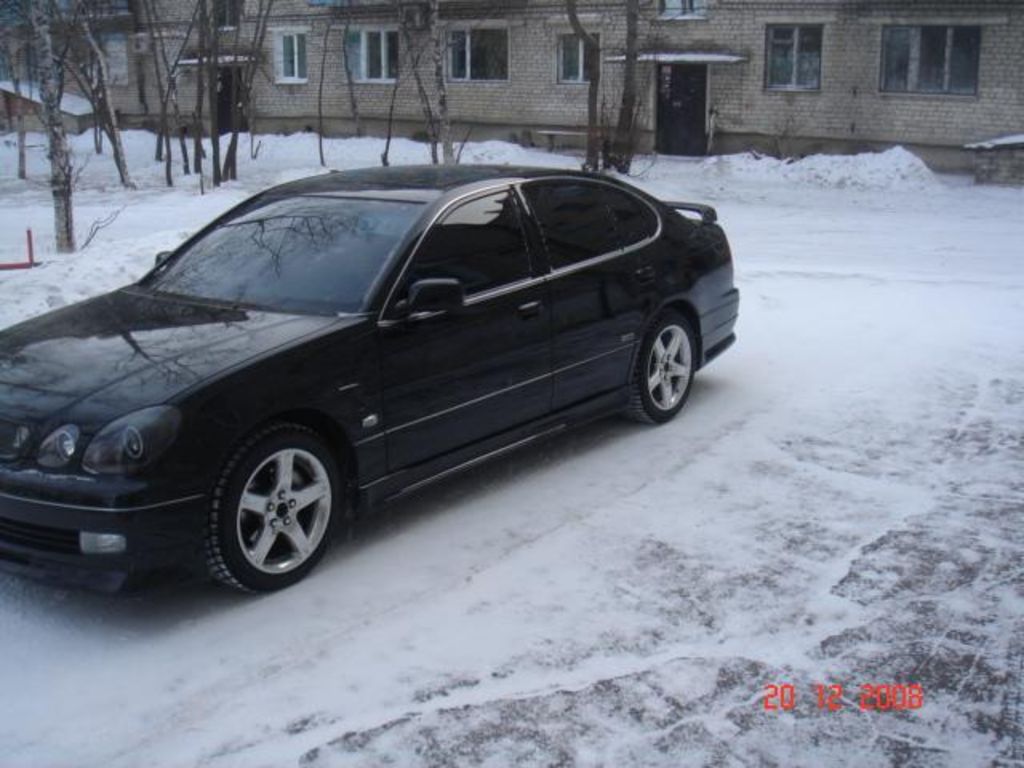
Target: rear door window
(634, 219)
(574, 220)
(480, 243)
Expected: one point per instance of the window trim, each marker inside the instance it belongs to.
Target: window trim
(364, 52)
(279, 34)
(793, 86)
(913, 64)
(536, 267)
(469, 30)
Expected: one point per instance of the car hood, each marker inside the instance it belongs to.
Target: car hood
(130, 349)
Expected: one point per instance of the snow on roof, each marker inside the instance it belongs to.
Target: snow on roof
(684, 57)
(1002, 141)
(70, 103)
(224, 58)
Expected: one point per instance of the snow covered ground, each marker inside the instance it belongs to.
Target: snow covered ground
(842, 501)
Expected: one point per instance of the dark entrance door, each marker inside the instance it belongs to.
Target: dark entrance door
(229, 91)
(682, 109)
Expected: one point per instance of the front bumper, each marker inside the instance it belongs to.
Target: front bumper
(39, 538)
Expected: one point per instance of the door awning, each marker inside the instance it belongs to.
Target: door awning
(684, 57)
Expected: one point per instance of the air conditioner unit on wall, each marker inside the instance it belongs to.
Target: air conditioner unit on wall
(140, 43)
(414, 15)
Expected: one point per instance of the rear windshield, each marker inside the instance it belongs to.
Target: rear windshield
(309, 255)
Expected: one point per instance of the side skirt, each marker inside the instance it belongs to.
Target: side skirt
(411, 479)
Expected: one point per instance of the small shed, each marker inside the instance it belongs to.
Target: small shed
(999, 160)
(24, 99)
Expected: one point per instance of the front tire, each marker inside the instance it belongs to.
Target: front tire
(272, 509)
(663, 374)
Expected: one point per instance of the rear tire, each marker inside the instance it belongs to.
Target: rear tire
(664, 369)
(272, 510)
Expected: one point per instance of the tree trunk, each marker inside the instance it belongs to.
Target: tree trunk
(22, 164)
(349, 80)
(444, 120)
(197, 115)
(623, 145)
(384, 159)
(60, 157)
(320, 87)
(213, 85)
(593, 54)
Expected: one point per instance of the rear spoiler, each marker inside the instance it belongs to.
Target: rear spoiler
(708, 215)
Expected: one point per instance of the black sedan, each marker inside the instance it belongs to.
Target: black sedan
(334, 343)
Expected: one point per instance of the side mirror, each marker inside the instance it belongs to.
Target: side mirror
(439, 294)
(161, 258)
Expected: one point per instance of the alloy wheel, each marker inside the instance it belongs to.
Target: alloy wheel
(284, 511)
(669, 367)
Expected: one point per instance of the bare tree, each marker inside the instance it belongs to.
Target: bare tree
(623, 146)
(247, 58)
(349, 80)
(210, 15)
(413, 55)
(320, 87)
(41, 17)
(438, 46)
(167, 68)
(87, 62)
(592, 54)
(384, 156)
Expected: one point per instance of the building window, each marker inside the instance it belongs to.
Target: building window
(932, 59)
(373, 54)
(572, 59)
(227, 13)
(794, 58)
(676, 8)
(115, 50)
(291, 57)
(478, 54)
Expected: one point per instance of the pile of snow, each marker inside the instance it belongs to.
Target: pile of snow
(894, 168)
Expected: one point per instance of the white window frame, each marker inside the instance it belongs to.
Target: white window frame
(559, 49)
(469, 52)
(115, 50)
(793, 84)
(914, 62)
(364, 53)
(279, 35)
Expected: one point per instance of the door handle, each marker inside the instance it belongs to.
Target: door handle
(529, 309)
(645, 274)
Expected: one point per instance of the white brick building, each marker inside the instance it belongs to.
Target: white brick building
(715, 75)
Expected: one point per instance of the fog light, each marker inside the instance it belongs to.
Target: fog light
(101, 543)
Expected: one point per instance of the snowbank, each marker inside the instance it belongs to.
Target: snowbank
(894, 168)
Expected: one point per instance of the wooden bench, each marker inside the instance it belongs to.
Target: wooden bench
(552, 136)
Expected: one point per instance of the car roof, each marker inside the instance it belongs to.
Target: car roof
(422, 183)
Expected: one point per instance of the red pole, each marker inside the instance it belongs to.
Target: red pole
(31, 256)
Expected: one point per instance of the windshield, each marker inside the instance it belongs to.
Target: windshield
(315, 255)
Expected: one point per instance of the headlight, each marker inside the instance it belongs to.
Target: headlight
(59, 446)
(133, 441)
